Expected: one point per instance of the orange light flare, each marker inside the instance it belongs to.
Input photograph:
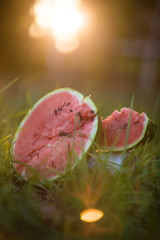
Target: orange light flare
(91, 215)
(88, 192)
(64, 19)
(111, 225)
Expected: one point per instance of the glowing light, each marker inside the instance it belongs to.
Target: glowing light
(42, 11)
(36, 31)
(67, 46)
(91, 215)
(65, 21)
(62, 18)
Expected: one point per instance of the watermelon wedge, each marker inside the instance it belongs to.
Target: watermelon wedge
(126, 129)
(60, 127)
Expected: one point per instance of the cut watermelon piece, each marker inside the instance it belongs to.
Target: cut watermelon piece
(114, 129)
(60, 125)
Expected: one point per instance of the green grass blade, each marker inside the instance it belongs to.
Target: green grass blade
(9, 84)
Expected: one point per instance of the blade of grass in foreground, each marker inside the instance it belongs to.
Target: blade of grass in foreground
(9, 84)
(129, 125)
(5, 138)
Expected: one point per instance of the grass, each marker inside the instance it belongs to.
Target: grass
(129, 198)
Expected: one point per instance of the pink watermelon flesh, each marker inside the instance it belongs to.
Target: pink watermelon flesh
(115, 129)
(56, 127)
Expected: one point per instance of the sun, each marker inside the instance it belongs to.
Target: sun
(63, 18)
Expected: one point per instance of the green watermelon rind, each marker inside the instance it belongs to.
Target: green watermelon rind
(81, 99)
(149, 133)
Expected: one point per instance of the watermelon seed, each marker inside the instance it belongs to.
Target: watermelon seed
(62, 134)
(135, 123)
(71, 110)
(80, 115)
(92, 111)
(60, 108)
(122, 127)
(68, 104)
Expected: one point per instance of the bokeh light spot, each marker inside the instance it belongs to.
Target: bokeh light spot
(36, 32)
(91, 215)
(62, 18)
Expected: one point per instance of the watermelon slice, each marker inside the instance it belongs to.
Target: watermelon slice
(115, 127)
(61, 126)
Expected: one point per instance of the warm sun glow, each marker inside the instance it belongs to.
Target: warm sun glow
(91, 215)
(65, 21)
(67, 46)
(36, 31)
(62, 18)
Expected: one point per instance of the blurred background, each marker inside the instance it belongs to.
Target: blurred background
(109, 49)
